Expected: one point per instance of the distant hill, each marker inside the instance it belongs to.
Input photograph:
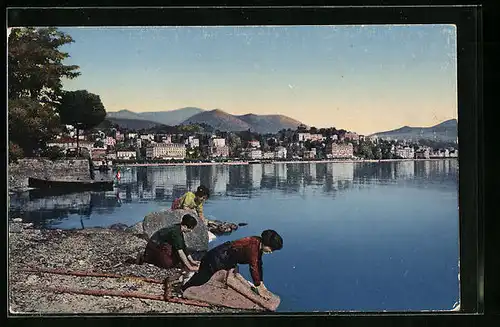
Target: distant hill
(446, 131)
(223, 121)
(220, 120)
(170, 117)
(269, 123)
(132, 124)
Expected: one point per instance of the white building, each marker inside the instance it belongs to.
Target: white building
(268, 155)
(131, 135)
(166, 151)
(125, 155)
(280, 153)
(254, 154)
(109, 141)
(147, 137)
(405, 153)
(192, 142)
(441, 153)
(309, 137)
(217, 142)
(138, 142)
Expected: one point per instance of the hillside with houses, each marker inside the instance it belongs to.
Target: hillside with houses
(195, 143)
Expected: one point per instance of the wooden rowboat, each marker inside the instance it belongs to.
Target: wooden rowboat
(71, 184)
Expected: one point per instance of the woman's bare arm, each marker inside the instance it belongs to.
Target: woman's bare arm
(186, 262)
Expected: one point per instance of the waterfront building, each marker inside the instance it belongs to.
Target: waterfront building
(335, 150)
(166, 151)
(219, 151)
(254, 154)
(280, 152)
(268, 155)
(125, 154)
(405, 153)
(422, 154)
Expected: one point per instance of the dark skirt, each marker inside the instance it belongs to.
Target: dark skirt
(219, 258)
(162, 256)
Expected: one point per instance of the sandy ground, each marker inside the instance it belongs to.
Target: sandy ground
(91, 250)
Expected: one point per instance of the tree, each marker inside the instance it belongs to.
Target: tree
(31, 124)
(36, 65)
(81, 109)
(54, 153)
(35, 73)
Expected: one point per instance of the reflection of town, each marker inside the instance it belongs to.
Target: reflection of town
(163, 184)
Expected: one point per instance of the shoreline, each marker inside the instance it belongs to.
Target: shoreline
(95, 250)
(269, 163)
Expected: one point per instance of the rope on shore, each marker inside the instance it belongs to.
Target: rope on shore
(125, 294)
(89, 274)
(165, 297)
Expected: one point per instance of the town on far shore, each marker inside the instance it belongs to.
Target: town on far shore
(199, 143)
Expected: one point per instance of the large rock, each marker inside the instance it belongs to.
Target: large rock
(197, 240)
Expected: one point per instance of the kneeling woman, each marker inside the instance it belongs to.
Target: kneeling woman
(193, 201)
(166, 247)
(226, 256)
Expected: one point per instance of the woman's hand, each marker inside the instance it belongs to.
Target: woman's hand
(193, 268)
(263, 291)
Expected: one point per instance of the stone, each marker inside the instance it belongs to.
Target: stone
(118, 226)
(136, 228)
(32, 279)
(197, 240)
(15, 228)
(242, 224)
(220, 228)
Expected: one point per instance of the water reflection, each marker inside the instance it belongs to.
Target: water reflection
(163, 184)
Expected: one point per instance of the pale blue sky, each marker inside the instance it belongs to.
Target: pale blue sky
(361, 78)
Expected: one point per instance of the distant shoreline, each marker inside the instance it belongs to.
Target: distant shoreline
(238, 163)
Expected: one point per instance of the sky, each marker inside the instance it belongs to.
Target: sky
(363, 78)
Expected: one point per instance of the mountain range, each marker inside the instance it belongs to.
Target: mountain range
(170, 117)
(216, 118)
(130, 124)
(223, 121)
(446, 131)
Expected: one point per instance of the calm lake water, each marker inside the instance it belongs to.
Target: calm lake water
(357, 236)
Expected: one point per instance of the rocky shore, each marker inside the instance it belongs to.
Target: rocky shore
(100, 250)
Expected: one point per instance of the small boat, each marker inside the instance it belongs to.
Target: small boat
(71, 184)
